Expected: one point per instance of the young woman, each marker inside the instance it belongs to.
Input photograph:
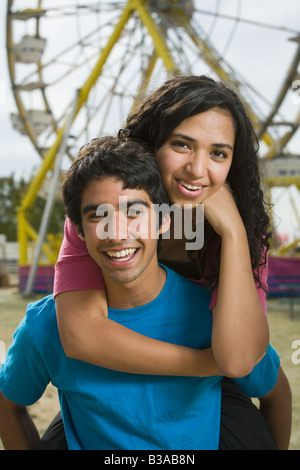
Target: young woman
(207, 154)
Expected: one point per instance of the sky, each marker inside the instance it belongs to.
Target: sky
(266, 69)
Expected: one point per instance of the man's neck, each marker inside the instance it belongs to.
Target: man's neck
(139, 292)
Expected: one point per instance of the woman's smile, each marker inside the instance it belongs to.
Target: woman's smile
(190, 189)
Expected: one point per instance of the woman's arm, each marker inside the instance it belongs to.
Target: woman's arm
(240, 333)
(88, 335)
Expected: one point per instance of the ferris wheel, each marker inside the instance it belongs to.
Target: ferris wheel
(76, 68)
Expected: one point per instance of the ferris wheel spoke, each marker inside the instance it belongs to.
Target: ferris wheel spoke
(241, 20)
(89, 8)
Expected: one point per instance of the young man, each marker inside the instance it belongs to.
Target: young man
(106, 409)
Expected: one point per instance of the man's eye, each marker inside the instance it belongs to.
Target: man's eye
(136, 211)
(96, 215)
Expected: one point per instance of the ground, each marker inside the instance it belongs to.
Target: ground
(284, 332)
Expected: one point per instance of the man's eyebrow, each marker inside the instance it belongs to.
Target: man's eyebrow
(90, 207)
(94, 207)
(137, 201)
(191, 139)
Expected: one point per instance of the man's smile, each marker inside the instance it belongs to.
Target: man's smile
(121, 255)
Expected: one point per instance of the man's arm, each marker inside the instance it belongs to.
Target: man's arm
(17, 430)
(276, 407)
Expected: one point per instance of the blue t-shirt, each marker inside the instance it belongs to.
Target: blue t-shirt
(105, 409)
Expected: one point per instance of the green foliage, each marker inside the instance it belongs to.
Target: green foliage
(11, 193)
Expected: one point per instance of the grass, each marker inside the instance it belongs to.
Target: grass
(283, 333)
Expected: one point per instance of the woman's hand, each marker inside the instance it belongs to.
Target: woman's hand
(222, 213)
(240, 330)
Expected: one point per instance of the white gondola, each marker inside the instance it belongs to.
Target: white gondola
(30, 49)
(39, 120)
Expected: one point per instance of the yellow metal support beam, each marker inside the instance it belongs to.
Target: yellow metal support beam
(159, 43)
(145, 80)
(25, 233)
(33, 235)
(83, 96)
(285, 249)
(22, 237)
(283, 181)
(277, 147)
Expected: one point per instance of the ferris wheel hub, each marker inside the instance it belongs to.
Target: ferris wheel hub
(172, 6)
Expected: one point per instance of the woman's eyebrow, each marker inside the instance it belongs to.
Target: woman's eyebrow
(221, 146)
(191, 139)
(183, 136)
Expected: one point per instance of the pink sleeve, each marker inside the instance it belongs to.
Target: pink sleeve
(75, 269)
(262, 294)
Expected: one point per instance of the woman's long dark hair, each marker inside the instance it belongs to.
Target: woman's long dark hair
(180, 97)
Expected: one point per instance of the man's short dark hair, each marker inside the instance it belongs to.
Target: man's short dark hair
(124, 159)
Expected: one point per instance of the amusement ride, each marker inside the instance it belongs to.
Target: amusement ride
(77, 67)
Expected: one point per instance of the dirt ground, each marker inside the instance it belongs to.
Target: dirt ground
(284, 332)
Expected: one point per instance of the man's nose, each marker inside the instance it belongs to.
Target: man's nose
(113, 227)
(119, 227)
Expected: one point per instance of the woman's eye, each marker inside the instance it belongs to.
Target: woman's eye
(218, 154)
(180, 144)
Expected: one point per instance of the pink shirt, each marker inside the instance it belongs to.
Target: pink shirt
(76, 270)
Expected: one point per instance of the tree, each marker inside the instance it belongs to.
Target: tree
(11, 193)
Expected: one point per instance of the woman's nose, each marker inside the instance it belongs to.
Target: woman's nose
(197, 164)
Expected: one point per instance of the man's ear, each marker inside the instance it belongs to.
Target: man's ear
(165, 224)
(80, 232)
